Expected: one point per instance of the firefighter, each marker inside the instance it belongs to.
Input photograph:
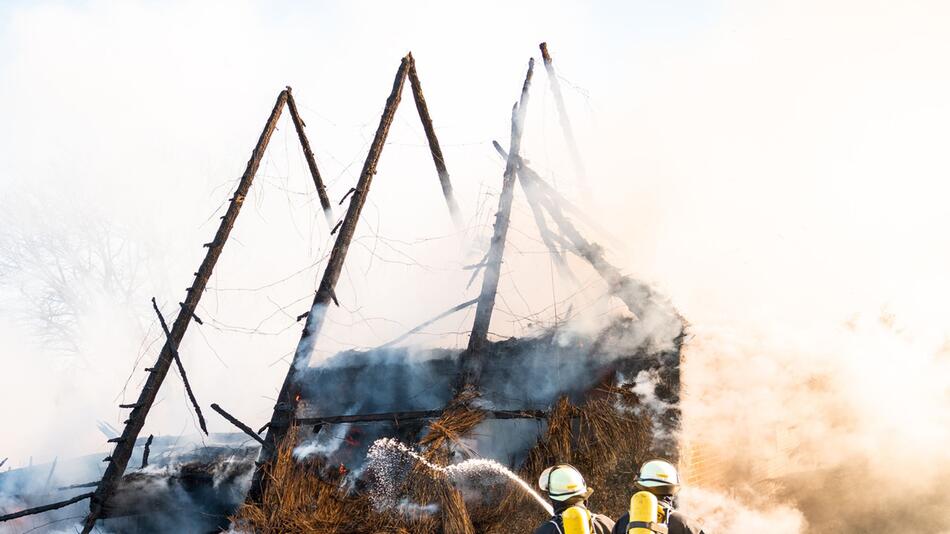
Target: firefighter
(568, 492)
(661, 482)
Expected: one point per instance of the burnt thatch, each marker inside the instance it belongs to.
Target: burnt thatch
(595, 420)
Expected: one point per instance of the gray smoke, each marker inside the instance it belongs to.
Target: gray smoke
(528, 373)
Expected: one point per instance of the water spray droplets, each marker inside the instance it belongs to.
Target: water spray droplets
(390, 461)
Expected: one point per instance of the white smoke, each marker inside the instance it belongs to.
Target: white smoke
(768, 163)
(720, 513)
(823, 426)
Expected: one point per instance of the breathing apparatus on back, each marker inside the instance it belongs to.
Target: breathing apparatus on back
(564, 482)
(650, 508)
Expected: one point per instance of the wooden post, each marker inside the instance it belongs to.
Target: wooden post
(434, 146)
(308, 155)
(471, 360)
(288, 397)
(119, 458)
(562, 114)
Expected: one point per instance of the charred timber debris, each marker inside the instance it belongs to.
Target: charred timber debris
(45, 508)
(146, 451)
(236, 422)
(545, 203)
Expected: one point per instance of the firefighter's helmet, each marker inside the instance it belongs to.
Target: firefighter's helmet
(563, 481)
(659, 477)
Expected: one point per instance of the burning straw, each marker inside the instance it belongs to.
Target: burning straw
(298, 500)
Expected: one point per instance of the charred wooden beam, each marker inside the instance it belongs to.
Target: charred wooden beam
(631, 292)
(236, 422)
(397, 417)
(471, 360)
(146, 451)
(193, 314)
(446, 313)
(562, 114)
(563, 202)
(77, 486)
(311, 162)
(181, 368)
(123, 451)
(45, 508)
(476, 269)
(434, 148)
(547, 236)
(287, 398)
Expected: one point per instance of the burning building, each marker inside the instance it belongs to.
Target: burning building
(601, 398)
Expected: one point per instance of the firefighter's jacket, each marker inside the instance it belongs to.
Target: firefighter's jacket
(601, 524)
(679, 524)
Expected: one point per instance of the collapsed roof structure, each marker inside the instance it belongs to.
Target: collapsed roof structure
(438, 399)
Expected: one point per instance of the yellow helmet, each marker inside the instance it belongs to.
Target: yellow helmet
(659, 477)
(563, 481)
